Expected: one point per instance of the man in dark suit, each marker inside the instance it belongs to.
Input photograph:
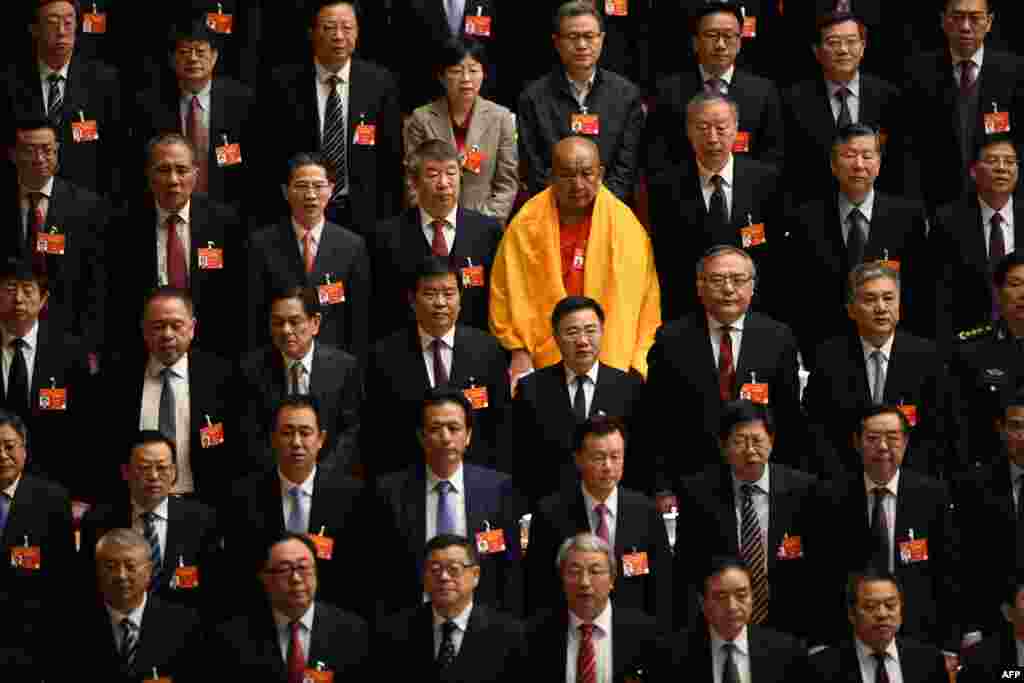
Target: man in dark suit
(212, 112)
(966, 298)
(82, 98)
(715, 197)
(300, 496)
(182, 533)
(875, 606)
(623, 518)
(444, 494)
(730, 640)
(1001, 649)
(892, 518)
(200, 254)
(307, 250)
(564, 644)
(840, 94)
(740, 354)
(948, 97)
(345, 108)
(717, 31)
(434, 352)
(46, 204)
(297, 364)
(179, 391)
(439, 227)
(881, 364)
(717, 522)
(289, 633)
(452, 637)
(835, 233)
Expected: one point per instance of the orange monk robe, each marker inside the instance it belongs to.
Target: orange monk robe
(618, 272)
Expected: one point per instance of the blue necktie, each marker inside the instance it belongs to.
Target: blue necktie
(295, 524)
(445, 508)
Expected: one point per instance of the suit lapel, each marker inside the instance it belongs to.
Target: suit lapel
(415, 517)
(319, 642)
(725, 497)
(415, 357)
(858, 381)
(742, 200)
(74, 95)
(358, 102)
(476, 512)
(442, 120)
(702, 340)
(175, 520)
(895, 373)
(483, 119)
(56, 215)
(288, 248)
(199, 219)
(16, 237)
(463, 243)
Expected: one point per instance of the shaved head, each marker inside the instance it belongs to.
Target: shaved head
(576, 175)
(574, 147)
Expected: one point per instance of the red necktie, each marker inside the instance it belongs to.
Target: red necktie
(438, 246)
(296, 657)
(602, 522)
(967, 68)
(197, 133)
(177, 273)
(586, 659)
(726, 371)
(440, 374)
(36, 225)
(308, 256)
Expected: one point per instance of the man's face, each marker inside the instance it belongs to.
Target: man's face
(855, 164)
(168, 329)
(21, 301)
(172, 176)
(291, 329)
(726, 287)
(878, 614)
(445, 436)
(1011, 430)
(448, 580)
(579, 339)
(55, 32)
(717, 41)
(1011, 296)
(841, 50)
(193, 63)
(335, 34)
(437, 303)
(35, 155)
(579, 43)
(587, 582)
(577, 178)
(711, 130)
(289, 578)
(437, 187)
(600, 463)
(297, 440)
(728, 601)
(151, 473)
(966, 23)
(876, 308)
(309, 192)
(123, 574)
(882, 445)
(748, 450)
(12, 455)
(996, 171)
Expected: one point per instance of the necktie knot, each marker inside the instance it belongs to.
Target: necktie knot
(843, 92)
(35, 197)
(54, 78)
(295, 627)
(148, 517)
(748, 490)
(172, 221)
(18, 343)
(601, 509)
(717, 181)
(448, 628)
(333, 80)
(997, 219)
(296, 493)
(586, 631)
(444, 487)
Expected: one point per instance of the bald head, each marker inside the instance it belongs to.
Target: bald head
(576, 175)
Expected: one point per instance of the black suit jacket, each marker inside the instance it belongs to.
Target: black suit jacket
(538, 443)
(682, 232)
(275, 263)
(493, 647)
(398, 248)
(840, 542)
(638, 528)
(131, 244)
(77, 277)
(335, 381)
(811, 129)
(397, 381)
(400, 506)
(990, 658)
(838, 393)
(708, 516)
(247, 646)
(374, 172)
(760, 117)
(774, 656)
(917, 663)
(675, 378)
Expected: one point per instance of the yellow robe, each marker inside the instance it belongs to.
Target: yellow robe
(618, 272)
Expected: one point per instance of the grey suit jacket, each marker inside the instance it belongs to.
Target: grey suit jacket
(493, 130)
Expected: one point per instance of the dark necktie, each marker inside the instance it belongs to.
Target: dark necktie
(440, 374)
(177, 272)
(715, 86)
(446, 653)
(579, 401)
(296, 656)
(718, 211)
(1020, 499)
(36, 225)
(17, 379)
(855, 238)
(878, 379)
(996, 242)
(167, 421)
(843, 6)
(296, 377)
(880, 531)
(844, 119)
(129, 642)
(333, 144)
(730, 672)
(967, 76)
(586, 658)
(881, 675)
(439, 247)
(55, 97)
(752, 550)
(156, 556)
(726, 369)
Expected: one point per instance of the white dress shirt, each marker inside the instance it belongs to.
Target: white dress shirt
(889, 507)
(869, 665)
(305, 377)
(611, 517)
(741, 655)
(707, 188)
(461, 623)
(602, 639)
(735, 334)
(447, 353)
(44, 203)
(44, 75)
(323, 91)
(978, 58)
(29, 351)
(867, 207)
(760, 497)
(852, 100)
(185, 107)
(589, 385)
(581, 89)
(116, 617)
(10, 491)
(284, 631)
(162, 518)
(1016, 472)
(306, 497)
(448, 231)
(869, 363)
(1007, 225)
(152, 386)
(317, 232)
(184, 236)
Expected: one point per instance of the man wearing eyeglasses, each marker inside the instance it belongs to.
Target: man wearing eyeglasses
(717, 39)
(470, 641)
(948, 100)
(289, 633)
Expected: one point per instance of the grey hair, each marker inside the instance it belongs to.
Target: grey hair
(721, 250)
(865, 273)
(703, 99)
(586, 543)
(124, 538)
(165, 139)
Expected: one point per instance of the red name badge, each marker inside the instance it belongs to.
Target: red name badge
(473, 276)
(324, 546)
(317, 676)
(752, 235)
(473, 161)
(366, 135)
(909, 412)
(750, 27)
(229, 155)
(791, 548)
(758, 393)
(478, 26)
(331, 293)
(211, 435)
(577, 259)
(891, 264)
(53, 399)
(586, 124)
(220, 23)
(635, 564)
(742, 142)
(185, 578)
(211, 258)
(94, 22)
(914, 551)
(27, 557)
(85, 131)
(997, 122)
(477, 396)
(616, 8)
(50, 243)
(490, 542)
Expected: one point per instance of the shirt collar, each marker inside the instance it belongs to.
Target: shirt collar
(284, 621)
(1016, 471)
(203, 95)
(46, 190)
(741, 641)
(987, 212)
(306, 486)
(322, 73)
(13, 488)
(162, 511)
(426, 219)
(45, 70)
(612, 503)
(763, 484)
(426, 339)
(182, 213)
(893, 486)
(736, 325)
(462, 620)
(589, 82)
(725, 173)
(866, 207)
(727, 76)
(868, 654)
(978, 58)
(886, 348)
(30, 338)
(300, 230)
(570, 374)
(178, 369)
(456, 479)
(853, 86)
(116, 616)
(602, 621)
(306, 360)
